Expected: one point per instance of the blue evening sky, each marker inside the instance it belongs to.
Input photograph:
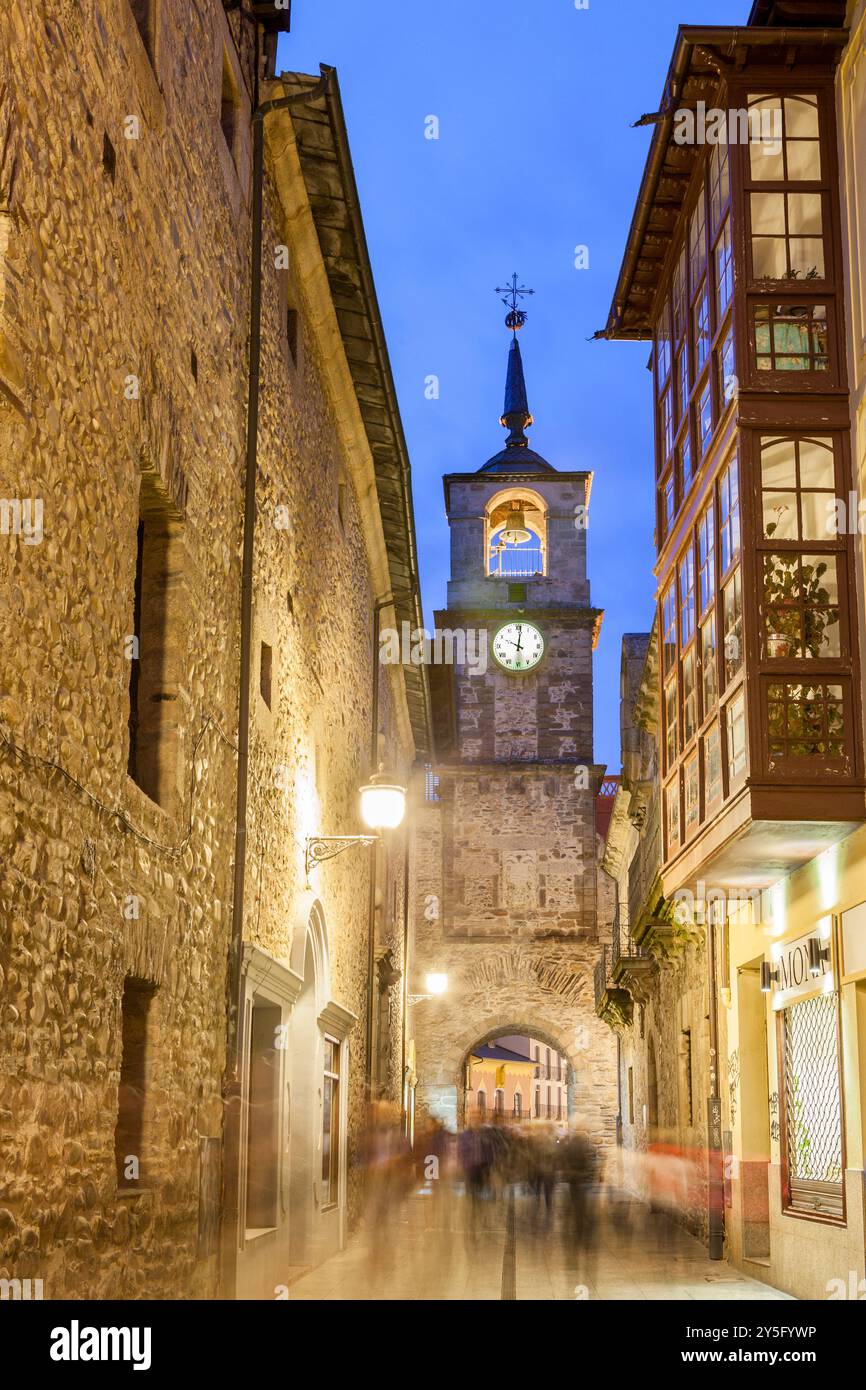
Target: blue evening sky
(535, 156)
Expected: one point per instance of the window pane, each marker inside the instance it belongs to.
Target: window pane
(687, 597)
(669, 621)
(736, 733)
(691, 789)
(803, 158)
(816, 463)
(780, 515)
(729, 514)
(702, 329)
(672, 807)
(709, 684)
(779, 464)
(801, 117)
(705, 418)
(690, 698)
(686, 462)
(712, 766)
(768, 214)
(732, 610)
(707, 556)
(697, 243)
(800, 606)
(805, 721)
(671, 722)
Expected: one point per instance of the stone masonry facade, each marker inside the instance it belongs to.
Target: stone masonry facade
(124, 310)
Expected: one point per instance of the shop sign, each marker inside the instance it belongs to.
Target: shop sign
(793, 978)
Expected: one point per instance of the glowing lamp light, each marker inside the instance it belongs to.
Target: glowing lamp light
(436, 984)
(383, 803)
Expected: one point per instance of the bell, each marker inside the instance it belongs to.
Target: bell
(514, 530)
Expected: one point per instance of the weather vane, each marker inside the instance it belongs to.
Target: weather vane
(516, 317)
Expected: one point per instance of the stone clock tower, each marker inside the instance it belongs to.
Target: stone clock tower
(507, 852)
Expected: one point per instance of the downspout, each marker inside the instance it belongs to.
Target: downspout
(232, 1084)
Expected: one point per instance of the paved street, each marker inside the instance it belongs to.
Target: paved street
(519, 1256)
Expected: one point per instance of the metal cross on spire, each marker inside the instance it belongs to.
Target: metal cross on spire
(516, 317)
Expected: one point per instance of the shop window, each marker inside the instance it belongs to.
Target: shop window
(800, 606)
(735, 728)
(791, 337)
(805, 721)
(798, 478)
(732, 623)
(813, 1110)
(788, 149)
(331, 1123)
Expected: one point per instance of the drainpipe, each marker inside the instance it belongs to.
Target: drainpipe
(232, 1084)
(715, 1179)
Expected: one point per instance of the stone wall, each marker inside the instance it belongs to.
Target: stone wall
(125, 253)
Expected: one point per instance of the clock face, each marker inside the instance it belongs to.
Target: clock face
(518, 646)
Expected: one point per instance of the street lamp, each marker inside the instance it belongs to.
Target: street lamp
(383, 805)
(436, 983)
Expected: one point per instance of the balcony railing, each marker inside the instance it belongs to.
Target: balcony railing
(624, 948)
(518, 562)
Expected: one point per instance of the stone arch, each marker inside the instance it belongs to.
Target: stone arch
(530, 1025)
(310, 926)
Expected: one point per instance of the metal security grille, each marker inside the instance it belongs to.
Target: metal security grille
(813, 1117)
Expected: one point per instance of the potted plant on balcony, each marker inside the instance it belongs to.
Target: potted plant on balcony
(793, 587)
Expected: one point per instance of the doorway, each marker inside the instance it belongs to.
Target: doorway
(755, 1114)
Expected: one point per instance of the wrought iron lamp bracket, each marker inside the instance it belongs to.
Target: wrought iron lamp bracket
(322, 847)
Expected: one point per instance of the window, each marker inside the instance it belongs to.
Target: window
(678, 299)
(537, 1102)
(683, 380)
(692, 794)
(517, 593)
(791, 338)
(631, 1095)
(481, 1103)
(109, 157)
(686, 462)
(735, 727)
(669, 504)
(724, 270)
(784, 144)
(707, 558)
(712, 767)
(705, 418)
(709, 680)
(263, 1090)
(732, 624)
(666, 416)
(729, 515)
(330, 1124)
(663, 348)
(266, 672)
(720, 183)
(144, 13)
(669, 626)
(671, 723)
(787, 241)
(727, 374)
(687, 597)
(798, 478)
(800, 605)
(702, 330)
(156, 653)
(135, 1075)
(812, 1110)
(518, 1105)
(672, 811)
(229, 106)
(805, 721)
(686, 1076)
(697, 243)
(292, 334)
(690, 697)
